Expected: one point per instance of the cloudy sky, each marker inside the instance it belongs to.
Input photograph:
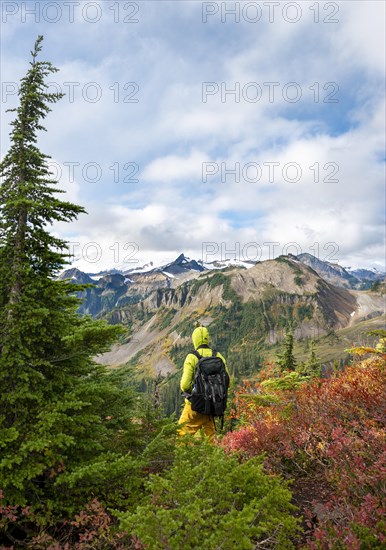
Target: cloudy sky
(218, 129)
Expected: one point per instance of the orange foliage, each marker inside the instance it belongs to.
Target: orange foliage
(338, 431)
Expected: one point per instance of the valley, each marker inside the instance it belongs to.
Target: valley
(247, 312)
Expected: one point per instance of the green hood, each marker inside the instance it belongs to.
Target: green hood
(200, 336)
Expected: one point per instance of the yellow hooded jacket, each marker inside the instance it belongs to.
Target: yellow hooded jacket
(200, 339)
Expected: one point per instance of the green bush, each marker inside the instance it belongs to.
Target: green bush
(210, 500)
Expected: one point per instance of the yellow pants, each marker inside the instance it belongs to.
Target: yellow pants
(193, 422)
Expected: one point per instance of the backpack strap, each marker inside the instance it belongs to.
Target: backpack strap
(198, 355)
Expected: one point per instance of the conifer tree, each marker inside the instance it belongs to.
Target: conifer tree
(46, 349)
(313, 365)
(286, 359)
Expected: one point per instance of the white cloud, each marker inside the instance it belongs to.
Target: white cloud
(173, 167)
(170, 132)
(361, 35)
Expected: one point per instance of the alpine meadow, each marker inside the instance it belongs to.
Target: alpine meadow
(90, 368)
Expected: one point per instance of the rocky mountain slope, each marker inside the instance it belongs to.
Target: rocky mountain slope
(247, 312)
(114, 289)
(360, 279)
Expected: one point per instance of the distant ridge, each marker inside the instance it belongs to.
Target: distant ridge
(183, 268)
(359, 279)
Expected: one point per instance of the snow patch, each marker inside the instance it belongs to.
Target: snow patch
(222, 264)
(168, 274)
(95, 277)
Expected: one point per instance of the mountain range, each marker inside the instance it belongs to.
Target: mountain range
(246, 307)
(115, 288)
(360, 279)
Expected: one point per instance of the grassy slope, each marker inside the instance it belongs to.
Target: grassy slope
(331, 347)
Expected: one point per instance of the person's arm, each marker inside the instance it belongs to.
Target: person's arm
(188, 373)
(225, 363)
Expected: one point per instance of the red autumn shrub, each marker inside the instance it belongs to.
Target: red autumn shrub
(93, 528)
(338, 429)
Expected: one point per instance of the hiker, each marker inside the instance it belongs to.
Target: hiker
(191, 420)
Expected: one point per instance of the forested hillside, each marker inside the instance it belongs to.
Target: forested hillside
(89, 454)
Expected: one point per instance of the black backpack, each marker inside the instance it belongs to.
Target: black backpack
(210, 389)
